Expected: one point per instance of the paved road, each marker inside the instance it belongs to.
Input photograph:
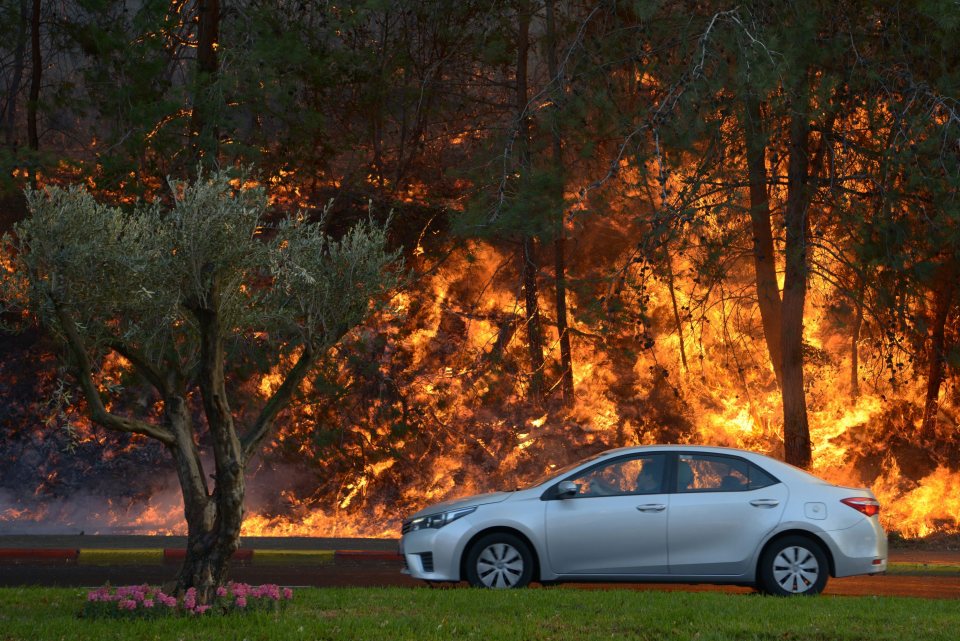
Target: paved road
(342, 573)
(114, 542)
(387, 573)
(372, 572)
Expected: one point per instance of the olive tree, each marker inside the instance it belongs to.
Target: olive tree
(182, 290)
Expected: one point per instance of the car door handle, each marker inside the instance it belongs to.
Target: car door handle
(765, 503)
(652, 507)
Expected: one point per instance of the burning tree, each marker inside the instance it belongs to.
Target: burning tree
(186, 295)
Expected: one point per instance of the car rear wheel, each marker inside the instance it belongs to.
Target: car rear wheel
(499, 560)
(793, 565)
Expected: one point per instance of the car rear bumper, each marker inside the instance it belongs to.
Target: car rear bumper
(861, 549)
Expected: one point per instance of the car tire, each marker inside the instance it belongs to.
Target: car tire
(793, 566)
(499, 561)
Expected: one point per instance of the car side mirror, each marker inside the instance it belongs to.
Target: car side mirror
(567, 489)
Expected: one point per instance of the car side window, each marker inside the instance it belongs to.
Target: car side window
(760, 479)
(706, 473)
(623, 477)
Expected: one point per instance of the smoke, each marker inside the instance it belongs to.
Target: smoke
(85, 513)
(271, 491)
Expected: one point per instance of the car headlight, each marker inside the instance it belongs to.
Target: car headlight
(434, 521)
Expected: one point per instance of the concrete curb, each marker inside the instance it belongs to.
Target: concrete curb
(366, 555)
(53, 554)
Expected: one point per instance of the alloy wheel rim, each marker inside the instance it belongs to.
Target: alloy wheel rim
(500, 566)
(795, 569)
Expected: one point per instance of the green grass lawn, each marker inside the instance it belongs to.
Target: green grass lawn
(923, 569)
(564, 614)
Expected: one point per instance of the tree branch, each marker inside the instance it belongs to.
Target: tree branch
(98, 412)
(279, 400)
(141, 364)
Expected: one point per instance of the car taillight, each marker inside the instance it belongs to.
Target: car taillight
(863, 504)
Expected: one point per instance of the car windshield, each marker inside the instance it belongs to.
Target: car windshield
(556, 473)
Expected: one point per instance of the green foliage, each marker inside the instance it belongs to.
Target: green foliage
(126, 68)
(135, 277)
(533, 203)
(321, 286)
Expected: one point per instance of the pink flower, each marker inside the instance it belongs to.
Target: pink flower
(130, 598)
(270, 590)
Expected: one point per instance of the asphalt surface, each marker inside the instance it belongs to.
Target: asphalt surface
(339, 574)
(116, 542)
(370, 570)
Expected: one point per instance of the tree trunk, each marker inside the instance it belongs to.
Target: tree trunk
(559, 243)
(796, 431)
(213, 522)
(213, 535)
(36, 75)
(943, 301)
(534, 334)
(768, 289)
(16, 77)
(218, 544)
(677, 320)
(855, 352)
(203, 130)
(563, 330)
(199, 570)
(529, 266)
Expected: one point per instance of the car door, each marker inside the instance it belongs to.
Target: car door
(721, 509)
(616, 523)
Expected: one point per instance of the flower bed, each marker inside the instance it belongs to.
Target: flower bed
(144, 601)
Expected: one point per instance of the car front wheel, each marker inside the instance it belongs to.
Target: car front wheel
(794, 565)
(499, 560)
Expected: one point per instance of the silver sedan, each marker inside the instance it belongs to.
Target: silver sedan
(668, 513)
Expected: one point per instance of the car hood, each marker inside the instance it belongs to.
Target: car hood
(468, 501)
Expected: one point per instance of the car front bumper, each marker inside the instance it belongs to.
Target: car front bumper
(434, 554)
